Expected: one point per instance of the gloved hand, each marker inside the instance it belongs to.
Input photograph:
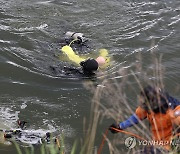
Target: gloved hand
(21, 124)
(114, 126)
(82, 63)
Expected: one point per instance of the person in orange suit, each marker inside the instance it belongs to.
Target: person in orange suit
(162, 112)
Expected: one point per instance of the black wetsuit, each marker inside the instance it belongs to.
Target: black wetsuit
(71, 71)
(86, 69)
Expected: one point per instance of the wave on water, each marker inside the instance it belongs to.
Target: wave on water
(41, 27)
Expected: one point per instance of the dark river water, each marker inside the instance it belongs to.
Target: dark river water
(30, 31)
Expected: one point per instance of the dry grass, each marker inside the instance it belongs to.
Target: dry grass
(111, 101)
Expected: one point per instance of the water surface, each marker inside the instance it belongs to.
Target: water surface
(29, 34)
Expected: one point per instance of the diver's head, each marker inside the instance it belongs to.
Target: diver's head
(90, 65)
(76, 36)
(100, 60)
(152, 99)
(7, 136)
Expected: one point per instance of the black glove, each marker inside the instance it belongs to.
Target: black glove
(82, 63)
(21, 124)
(114, 126)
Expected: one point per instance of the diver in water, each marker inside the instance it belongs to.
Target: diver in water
(77, 37)
(33, 137)
(24, 136)
(78, 42)
(86, 66)
(162, 112)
